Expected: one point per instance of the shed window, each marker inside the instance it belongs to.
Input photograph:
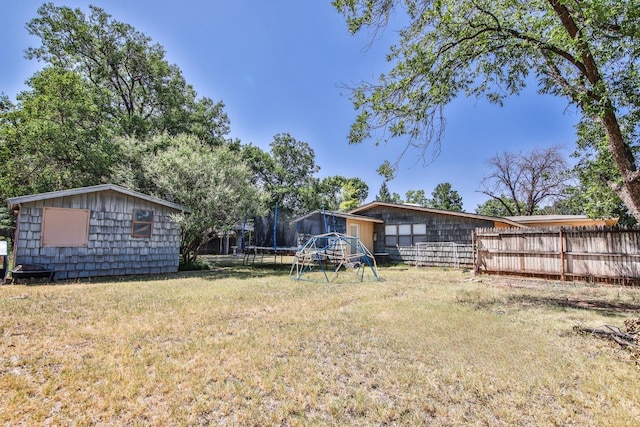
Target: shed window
(65, 227)
(142, 223)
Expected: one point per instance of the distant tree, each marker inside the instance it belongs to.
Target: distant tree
(444, 197)
(137, 91)
(387, 172)
(496, 207)
(211, 181)
(529, 179)
(327, 194)
(354, 193)
(416, 197)
(334, 193)
(286, 173)
(583, 51)
(384, 195)
(396, 198)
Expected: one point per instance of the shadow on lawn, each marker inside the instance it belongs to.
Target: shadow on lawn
(215, 272)
(608, 307)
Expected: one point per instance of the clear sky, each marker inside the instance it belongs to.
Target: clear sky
(280, 66)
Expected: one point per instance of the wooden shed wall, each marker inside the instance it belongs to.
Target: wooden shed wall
(111, 249)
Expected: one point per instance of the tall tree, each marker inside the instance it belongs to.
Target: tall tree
(139, 91)
(416, 197)
(383, 194)
(584, 51)
(354, 192)
(286, 173)
(446, 198)
(528, 179)
(212, 182)
(496, 207)
(54, 138)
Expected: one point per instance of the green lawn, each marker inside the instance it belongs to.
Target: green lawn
(250, 346)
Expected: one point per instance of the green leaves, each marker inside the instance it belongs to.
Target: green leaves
(141, 93)
(586, 52)
(213, 182)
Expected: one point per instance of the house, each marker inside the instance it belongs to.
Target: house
(103, 230)
(392, 231)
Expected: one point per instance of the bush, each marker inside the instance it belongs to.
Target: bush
(193, 266)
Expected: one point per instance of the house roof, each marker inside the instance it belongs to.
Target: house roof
(339, 215)
(496, 220)
(567, 220)
(14, 201)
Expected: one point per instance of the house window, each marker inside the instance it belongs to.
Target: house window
(142, 223)
(404, 234)
(419, 233)
(390, 235)
(65, 227)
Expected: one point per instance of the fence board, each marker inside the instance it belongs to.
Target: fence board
(596, 254)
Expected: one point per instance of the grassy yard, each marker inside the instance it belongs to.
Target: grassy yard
(250, 346)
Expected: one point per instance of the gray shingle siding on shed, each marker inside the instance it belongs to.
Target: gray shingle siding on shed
(111, 250)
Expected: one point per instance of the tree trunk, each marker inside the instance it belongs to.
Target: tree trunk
(629, 192)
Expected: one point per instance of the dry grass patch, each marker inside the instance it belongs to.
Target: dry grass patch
(238, 346)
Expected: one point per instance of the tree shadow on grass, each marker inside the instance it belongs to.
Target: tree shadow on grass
(611, 308)
(599, 305)
(212, 274)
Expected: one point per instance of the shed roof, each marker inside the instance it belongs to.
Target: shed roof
(13, 201)
(497, 220)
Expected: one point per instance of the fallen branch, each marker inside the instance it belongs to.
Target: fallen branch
(613, 332)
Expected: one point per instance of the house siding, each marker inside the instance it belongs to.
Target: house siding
(440, 228)
(111, 250)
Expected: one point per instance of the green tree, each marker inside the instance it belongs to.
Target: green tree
(446, 198)
(383, 194)
(286, 173)
(387, 171)
(496, 207)
(54, 137)
(416, 197)
(212, 182)
(596, 171)
(354, 193)
(584, 51)
(138, 91)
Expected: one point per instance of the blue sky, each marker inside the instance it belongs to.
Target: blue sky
(281, 66)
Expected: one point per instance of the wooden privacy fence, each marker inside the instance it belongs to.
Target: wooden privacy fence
(592, 254)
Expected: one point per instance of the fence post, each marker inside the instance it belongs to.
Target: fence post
(562, 273)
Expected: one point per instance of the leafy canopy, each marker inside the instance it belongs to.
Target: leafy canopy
(136, 89)
(585, 51)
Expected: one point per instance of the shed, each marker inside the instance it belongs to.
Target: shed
(103, 230)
